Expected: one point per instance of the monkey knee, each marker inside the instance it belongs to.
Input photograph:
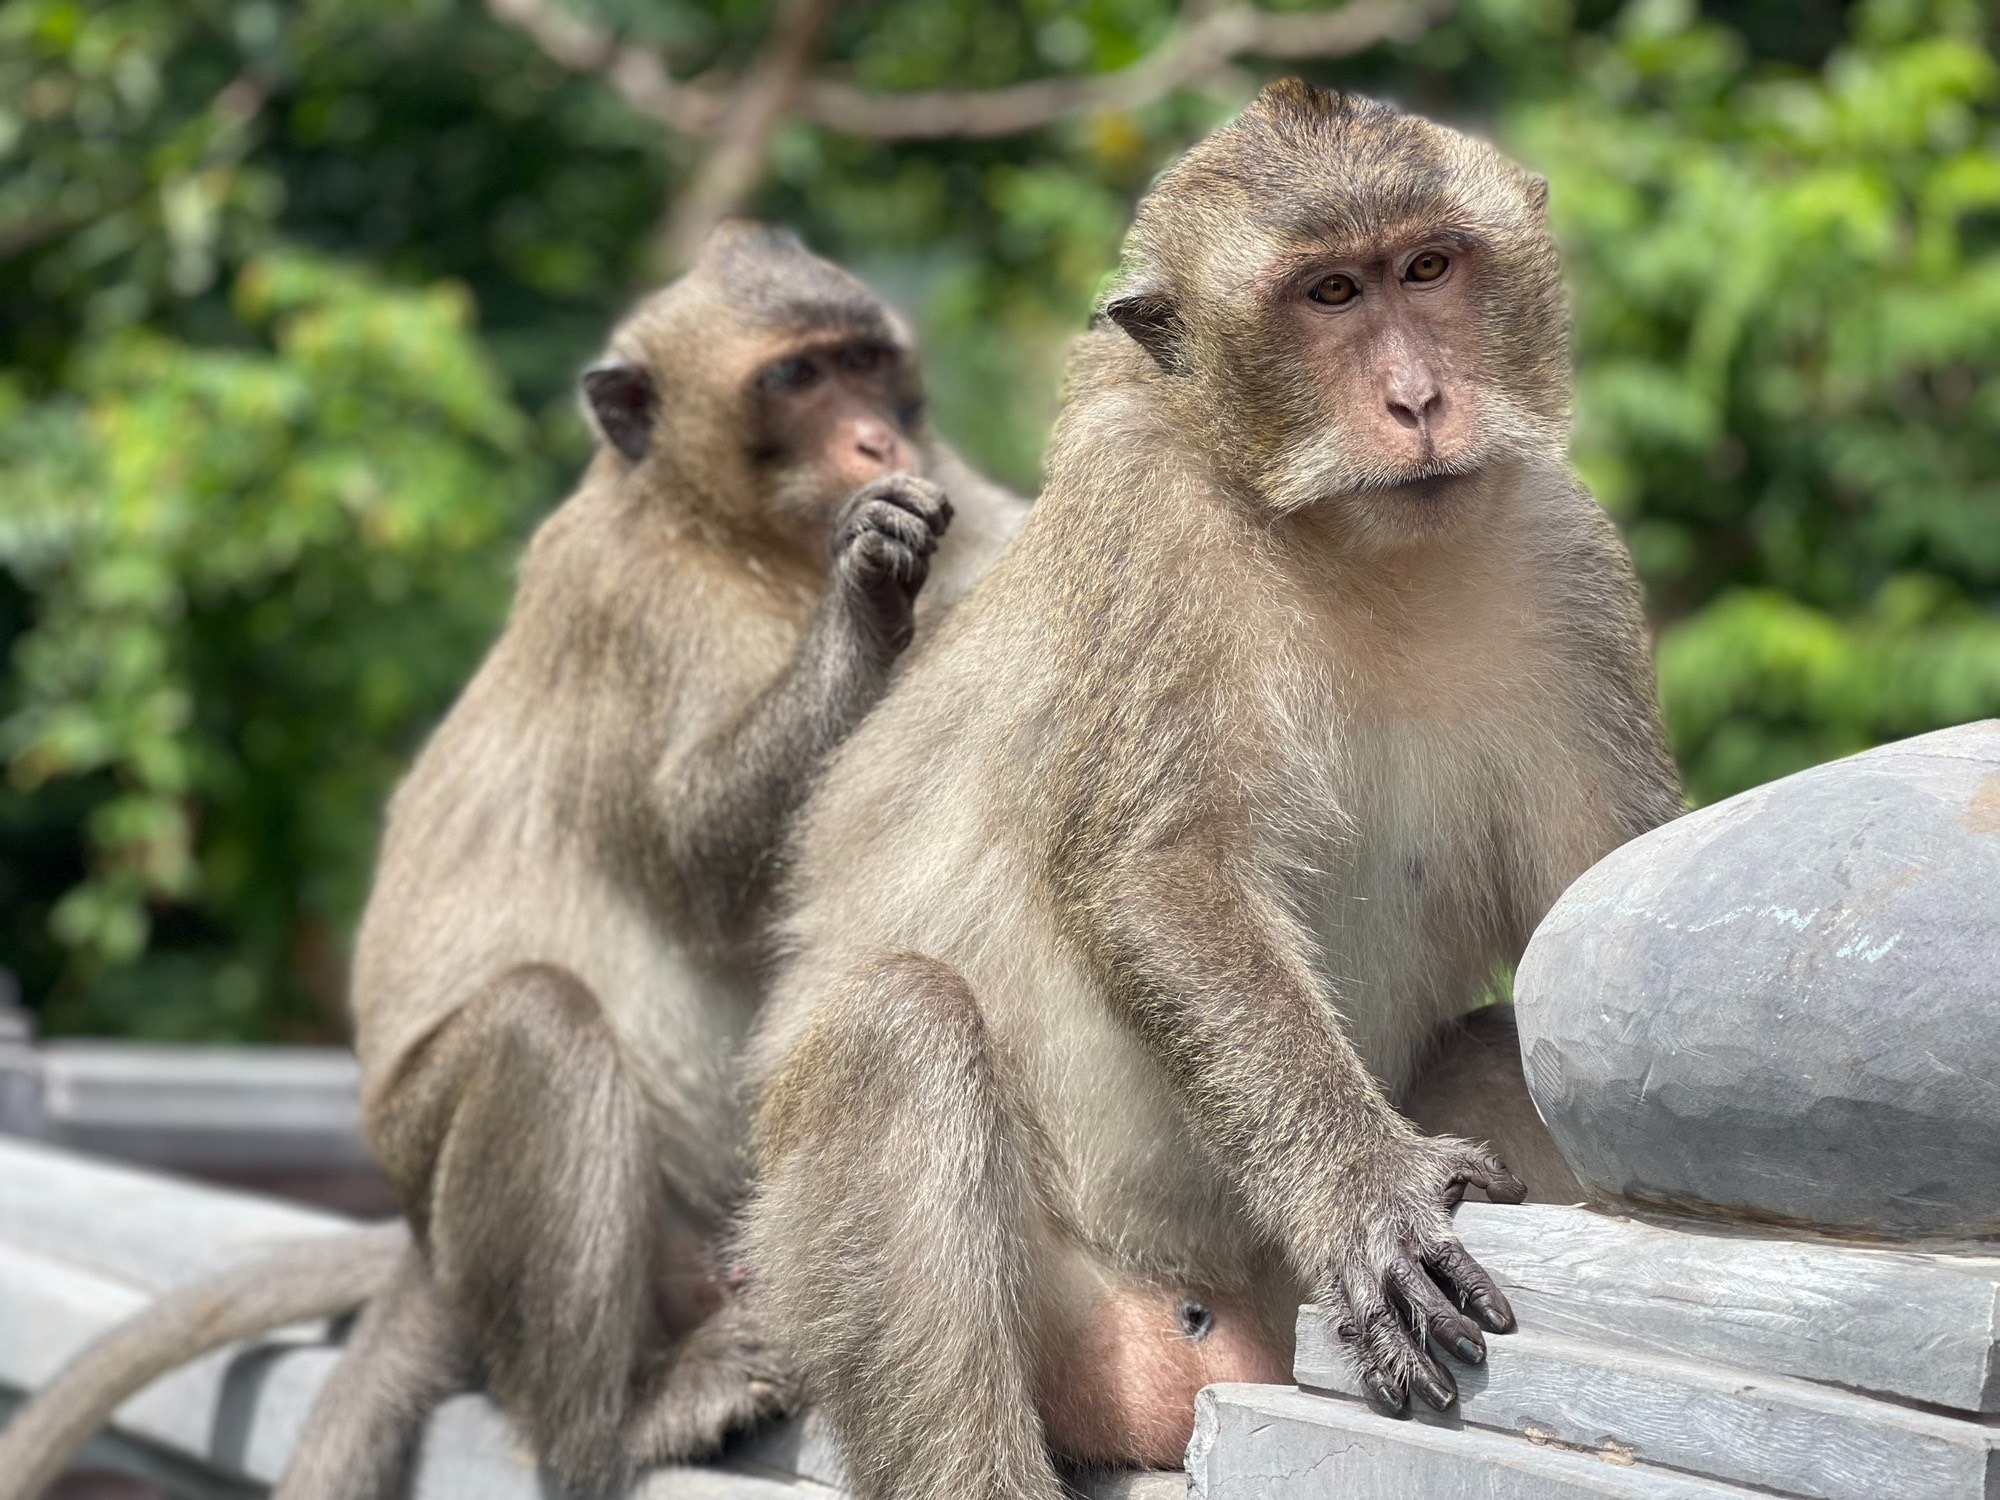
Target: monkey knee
(917, 1009)
(905, 1036)
(512, 1055)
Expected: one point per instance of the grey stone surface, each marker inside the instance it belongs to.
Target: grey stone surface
(1261, 1442)
(1922, 1327)
(211, 1109)
(1787, 1436)
(1787, 1006)
(84, 1244)
(20, 1067)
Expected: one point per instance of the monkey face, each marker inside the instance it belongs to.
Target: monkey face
(1368, 301)
(1388, 339)
(832, 414)
(760, 390)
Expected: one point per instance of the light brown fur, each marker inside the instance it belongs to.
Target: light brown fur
(564, 944)
(1265, 742)
(561, 953)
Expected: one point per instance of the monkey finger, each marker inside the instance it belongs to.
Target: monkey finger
(920, 498)
(893, 521)
(1470, 1285)
(1388, 1347)
(1432, 1311)
(1489, 1174)
(910, 529)
(876, 558)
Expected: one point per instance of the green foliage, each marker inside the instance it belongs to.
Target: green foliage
(1788, 292)
(291, 296)
(256, 572)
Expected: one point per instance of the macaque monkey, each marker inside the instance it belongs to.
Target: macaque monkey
(1311, 681)
(562, 950)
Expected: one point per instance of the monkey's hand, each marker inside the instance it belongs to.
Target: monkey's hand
(1400, 1276)
(883, 538)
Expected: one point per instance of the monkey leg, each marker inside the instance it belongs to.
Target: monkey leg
(888, 1241)
(726, 1377)
(529, 1165)
(1474, 1087)
(401, 1361)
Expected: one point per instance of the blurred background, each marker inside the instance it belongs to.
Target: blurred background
(292, 296)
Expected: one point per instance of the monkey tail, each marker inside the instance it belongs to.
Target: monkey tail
(314, 1279)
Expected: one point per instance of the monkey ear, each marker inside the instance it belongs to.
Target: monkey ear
(1150, 317)
(622, 404)
(1538, 194)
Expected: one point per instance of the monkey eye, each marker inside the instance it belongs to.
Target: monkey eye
(1334, 291)
(1428, 266)
(793, 374)
(861, 358)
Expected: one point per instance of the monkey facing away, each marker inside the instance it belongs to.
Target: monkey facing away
(1311, 681)
(561, 951)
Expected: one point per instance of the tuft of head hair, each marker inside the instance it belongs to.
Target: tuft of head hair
(1307, 165)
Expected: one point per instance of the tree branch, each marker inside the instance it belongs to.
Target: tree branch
(638, 74)
(735, 162)
(1200, 46)
(740, 117)
(1192, 52)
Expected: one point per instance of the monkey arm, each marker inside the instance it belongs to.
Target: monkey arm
(1212, 972)
(725, 800)
(1213, 975)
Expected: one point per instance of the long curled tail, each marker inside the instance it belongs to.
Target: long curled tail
(316, 1278)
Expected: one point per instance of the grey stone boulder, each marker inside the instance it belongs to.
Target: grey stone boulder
(1785, 1008)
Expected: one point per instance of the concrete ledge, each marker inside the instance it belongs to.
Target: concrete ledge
(1262, 1442)
(84, 1244)
(216, 1109)
(1787, 1436)
(1921, 1327)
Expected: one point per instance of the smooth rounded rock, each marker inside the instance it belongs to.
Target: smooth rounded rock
(1785, 1008)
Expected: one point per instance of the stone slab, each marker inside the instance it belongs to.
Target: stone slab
(213, 1109)
(84, 1244)
(1787, 1436)
(1785, 1008)
(1261, 1442)
(147, 1230)
(807, 1449)
(1921, 1327)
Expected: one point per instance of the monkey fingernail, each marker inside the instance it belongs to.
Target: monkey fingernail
(1468, 1351)
(1436, 1393)
(1383, 1391)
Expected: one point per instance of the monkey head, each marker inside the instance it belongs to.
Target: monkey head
(1361, 310)
(760, 389)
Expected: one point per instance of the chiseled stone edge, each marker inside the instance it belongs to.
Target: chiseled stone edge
(1266, 1442)
(1771, 1431)
(1920, 1327)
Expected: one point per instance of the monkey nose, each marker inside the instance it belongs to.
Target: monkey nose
(1416, 406)
(879, 444)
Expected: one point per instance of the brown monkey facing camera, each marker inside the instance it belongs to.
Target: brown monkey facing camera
(561, 952)
(1312, 680)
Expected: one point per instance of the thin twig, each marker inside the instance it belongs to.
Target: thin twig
(1188, 55)
(1199, 47)
(735, 163)
(637, 73)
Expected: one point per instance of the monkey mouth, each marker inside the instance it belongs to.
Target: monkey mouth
(1430, 483)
